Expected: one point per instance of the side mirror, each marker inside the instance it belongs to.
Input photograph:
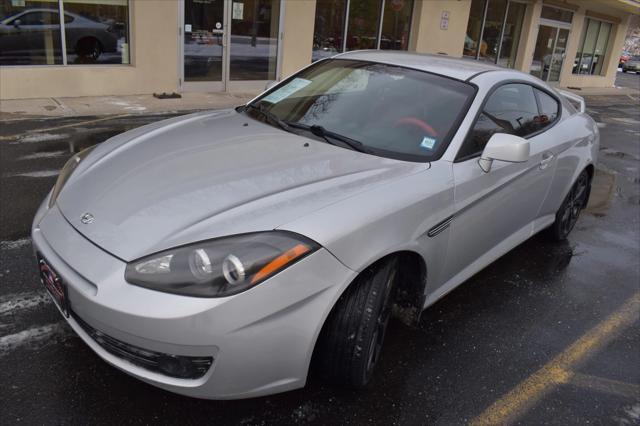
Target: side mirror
(504, 147)
(17, 23)
(269, 85)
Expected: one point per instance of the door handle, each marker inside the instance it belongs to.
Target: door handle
(547, 158)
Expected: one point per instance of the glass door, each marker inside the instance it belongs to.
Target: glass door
(204, 45)
(253, 50)
(559, 53)
(549, 53)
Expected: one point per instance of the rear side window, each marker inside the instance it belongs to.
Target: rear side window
(548, 108)
(512, 108)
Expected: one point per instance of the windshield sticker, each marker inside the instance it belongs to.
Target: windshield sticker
(287, 90)
(428, 143)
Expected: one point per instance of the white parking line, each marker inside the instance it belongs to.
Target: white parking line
(15, 244)
(33, 337)
(39, 155)
(36, 174)
(39, 137)
(13, 302)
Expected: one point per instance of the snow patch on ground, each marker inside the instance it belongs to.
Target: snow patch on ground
(13, 302)
(39, 155)
(33, 338)
(41, 137)
(36, 174)
(12, 245)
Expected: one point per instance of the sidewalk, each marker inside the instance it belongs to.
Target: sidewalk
(604, 91)
(110, 105)
(13, 109)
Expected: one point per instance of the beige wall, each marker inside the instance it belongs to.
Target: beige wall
(154, 60)
(427, 37)
(297, 42)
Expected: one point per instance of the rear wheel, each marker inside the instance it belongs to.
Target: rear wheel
(89, 49)
(351, 340)
(574, 202)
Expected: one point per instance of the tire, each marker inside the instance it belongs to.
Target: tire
(352, 337)
(569, 212)
(89, 49)
(624, 70)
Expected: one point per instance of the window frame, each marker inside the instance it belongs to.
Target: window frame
(63, 42)
(494, 88)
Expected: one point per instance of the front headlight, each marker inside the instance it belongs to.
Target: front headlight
(66, 172)
(220, 267)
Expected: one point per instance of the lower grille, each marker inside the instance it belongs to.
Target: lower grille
(178, 366)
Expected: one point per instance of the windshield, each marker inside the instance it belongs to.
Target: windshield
(388, 110)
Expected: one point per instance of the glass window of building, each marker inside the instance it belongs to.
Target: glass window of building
(29, 33)
(96, 32)
(343, 25)
(328, 33)
(396, 23)
(254, 41)
(493, 31)
(592, 48)
(364, 20)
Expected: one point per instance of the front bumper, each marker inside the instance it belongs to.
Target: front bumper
(261, 341)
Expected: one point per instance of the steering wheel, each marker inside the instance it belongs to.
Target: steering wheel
(417, 123)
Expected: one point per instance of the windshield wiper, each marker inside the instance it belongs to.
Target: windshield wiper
(325, 134)
(272, 118)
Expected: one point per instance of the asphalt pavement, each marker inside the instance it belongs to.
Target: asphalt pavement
(549, 333)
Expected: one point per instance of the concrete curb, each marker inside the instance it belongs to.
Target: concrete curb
(17, 109)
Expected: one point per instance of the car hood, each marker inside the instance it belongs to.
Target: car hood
(208, 175)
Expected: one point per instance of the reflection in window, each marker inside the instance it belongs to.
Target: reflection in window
(329, 28)
(29, 33)
(254, 40)
(510, 109)
(493, 31)
(96, 31)
(593, 47)
(511, 34)
(474, 28)
(396, 24)
(362, 31)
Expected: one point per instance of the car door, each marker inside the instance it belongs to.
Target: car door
(39, 29)
(494, 211)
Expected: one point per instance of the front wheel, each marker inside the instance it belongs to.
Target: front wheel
(568, 213)
(352, 337)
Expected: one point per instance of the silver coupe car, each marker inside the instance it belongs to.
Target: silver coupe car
(216, 254)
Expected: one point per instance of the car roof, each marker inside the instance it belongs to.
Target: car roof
(458, 68)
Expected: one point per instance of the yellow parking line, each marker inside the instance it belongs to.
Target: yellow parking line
(558, 370)
(80, 123)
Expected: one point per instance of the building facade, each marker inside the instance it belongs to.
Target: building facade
(53, 48)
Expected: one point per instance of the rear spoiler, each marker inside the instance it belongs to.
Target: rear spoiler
(575, 98)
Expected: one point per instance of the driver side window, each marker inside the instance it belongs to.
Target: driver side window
(512, 109)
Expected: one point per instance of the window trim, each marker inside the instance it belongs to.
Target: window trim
(460, 159)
